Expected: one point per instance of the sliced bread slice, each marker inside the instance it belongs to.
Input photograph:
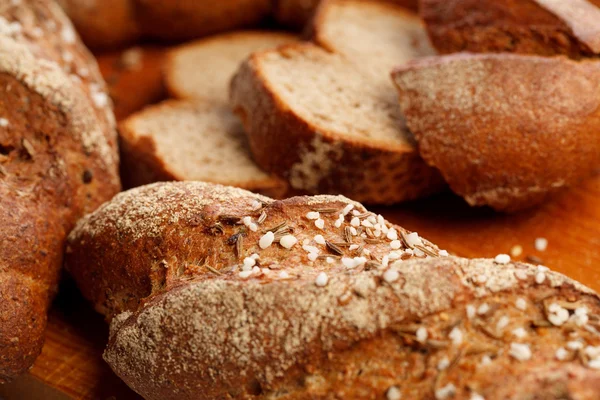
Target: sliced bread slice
(203, 69)
(183, 140)
(314, 119)
(375, 36)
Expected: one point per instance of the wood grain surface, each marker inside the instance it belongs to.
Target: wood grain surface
(71, 365)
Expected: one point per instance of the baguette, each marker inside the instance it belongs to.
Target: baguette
(543, 27)
(58, 160)
(185, 140)
(203, 69)
(193, 319)
(505, 130)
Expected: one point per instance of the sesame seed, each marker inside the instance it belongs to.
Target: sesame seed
(367, 224)
(355, 222)
(476, 396)
(254, 256)
(422, 334)
(443, 364)
(557, 315)
(353, 231)
(385, 260)
(418, 252)
(502, 259)
(541, 244)
(3, 122)
(322, 279)
(312, 215)
(347, 209)
(574, 345)
(338, 223)
(519, 332)
(592, 351)
(520, 351)
(249, 262)
(68, 34)
(486, 360)
(392, 234)
(446, 392)
(521, 304)
(443, 253)
(413, 239)
(395, 244)
(256, 205)
(521, 274)
(288, 241)
(393, 255)
(266, 240)
(319, 223)
(391, 275)
(319, 239)
(246, 220)
(353, 247)
(256, 270)
(594, 364)
(100, 99)
(393, 393)
(483, 309)
(310, 249)
(313, 256)
(253, 227)
(245, 274)
(516, 251)
(330, 260)
(481, 278)
(470, 311)
(580, 317)
(284, 275)
(502, 322)
(561, 354)
(540, 277)
(456, 336)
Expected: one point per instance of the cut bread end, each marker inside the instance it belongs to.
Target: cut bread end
(203, 69)
(191, 140)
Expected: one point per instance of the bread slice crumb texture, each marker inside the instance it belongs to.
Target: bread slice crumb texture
(197, 141)
(203, 69)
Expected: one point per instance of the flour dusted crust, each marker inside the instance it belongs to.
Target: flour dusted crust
(57, 161)
(505, 130)
(544, 27)
(194, 319)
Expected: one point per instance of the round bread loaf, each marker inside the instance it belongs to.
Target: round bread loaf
(505, 130)
(200, 314)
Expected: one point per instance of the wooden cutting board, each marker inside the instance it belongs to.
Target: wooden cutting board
(71, 367)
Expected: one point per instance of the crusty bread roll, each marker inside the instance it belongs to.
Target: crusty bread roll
(544, 27)
(58, 160)
(207, 304)
(191, 140)
(504, 130)
(112, 23)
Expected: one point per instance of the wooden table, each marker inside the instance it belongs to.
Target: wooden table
(71, 366)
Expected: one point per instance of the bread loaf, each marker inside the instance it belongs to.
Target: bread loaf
(58, 160)
(203, 69)
(112, 23)
(328, 120)
(505, 130)
(191, 140)
(544, 27)
(198, 313)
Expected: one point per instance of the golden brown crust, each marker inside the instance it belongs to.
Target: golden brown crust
(505, 130)
(544, 27)
(315, 160)
(57, 161)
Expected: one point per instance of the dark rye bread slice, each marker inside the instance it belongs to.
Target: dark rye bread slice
(505, 130)
(544, 27)
(314, 119)
(193, 319)
(191, 140)
(203, 69)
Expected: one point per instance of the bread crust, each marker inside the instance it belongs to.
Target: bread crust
(491, 123)
(315, 160)
(57, 161)
(544, 27)
(142, 164)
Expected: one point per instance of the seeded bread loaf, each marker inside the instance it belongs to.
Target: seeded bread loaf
(317, 121)
(544, 27)
(296, 13)
(220, 293)
(116, 22)
(57, 161)
(191, 140)
(203, 69)
(505, 130)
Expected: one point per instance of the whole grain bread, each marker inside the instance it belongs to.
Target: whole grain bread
(313, 118)
(191, 140)
(297, 13)
(544, 27)
(198, 313)
(203, 69)
(105, 24)
(58, 160)
(505, 130)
